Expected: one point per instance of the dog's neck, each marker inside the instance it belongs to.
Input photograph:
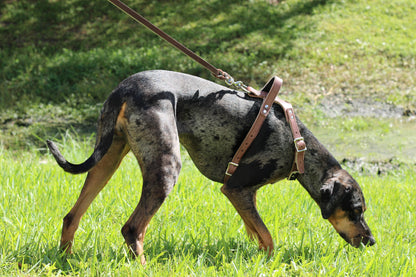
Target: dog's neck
(319, 166)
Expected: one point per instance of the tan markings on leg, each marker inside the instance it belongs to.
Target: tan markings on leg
(157, 183)
(244, 202)
(121, 121)
(135, 229)
(96, 179)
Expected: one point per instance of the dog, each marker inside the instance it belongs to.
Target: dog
(152, 112)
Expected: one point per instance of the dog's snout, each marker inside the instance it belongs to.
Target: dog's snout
(369, 241)
(372, 241)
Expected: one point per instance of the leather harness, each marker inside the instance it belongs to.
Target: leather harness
(268, 93)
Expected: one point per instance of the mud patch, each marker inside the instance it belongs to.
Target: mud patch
(364, 167)
(334, 106)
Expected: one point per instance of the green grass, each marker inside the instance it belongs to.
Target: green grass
(60, 59)
(196, 232)
(372, 139)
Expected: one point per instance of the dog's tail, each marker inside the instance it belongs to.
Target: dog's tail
(106, 125)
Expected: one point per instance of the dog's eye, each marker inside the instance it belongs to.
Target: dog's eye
(356, 214)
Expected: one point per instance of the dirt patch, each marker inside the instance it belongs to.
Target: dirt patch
(335, 106)
(364, 167)
(381, 145)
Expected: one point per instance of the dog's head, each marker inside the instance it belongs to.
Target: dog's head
(342, 203)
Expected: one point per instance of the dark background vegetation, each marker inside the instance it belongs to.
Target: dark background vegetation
(59, 60)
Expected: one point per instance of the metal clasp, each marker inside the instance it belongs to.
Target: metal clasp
(242, 86)
(228, 167)
(229, 80)
(296, 145)
(293, 175)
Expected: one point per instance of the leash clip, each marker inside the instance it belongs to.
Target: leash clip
(241, 85)
(229, 80)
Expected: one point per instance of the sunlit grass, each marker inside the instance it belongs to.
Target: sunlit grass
(56, 68)
(196, 231)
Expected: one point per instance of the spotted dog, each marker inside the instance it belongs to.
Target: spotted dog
(151, 113)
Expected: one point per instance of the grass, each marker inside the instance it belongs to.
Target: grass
(197, 232)
(372, 139)
(60, 59)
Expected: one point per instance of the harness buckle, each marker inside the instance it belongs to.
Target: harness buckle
(296, 145)
(228, 167)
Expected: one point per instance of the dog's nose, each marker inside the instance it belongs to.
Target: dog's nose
(369, 241)
(372, 241)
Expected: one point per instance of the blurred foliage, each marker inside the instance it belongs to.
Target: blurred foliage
(71, 54)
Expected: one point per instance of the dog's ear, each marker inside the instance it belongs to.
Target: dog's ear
(331, 195)
(326, 192)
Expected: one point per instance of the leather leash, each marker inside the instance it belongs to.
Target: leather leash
(218, 73)
(268, 93)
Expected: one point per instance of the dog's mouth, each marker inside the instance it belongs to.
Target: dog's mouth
(359, 239)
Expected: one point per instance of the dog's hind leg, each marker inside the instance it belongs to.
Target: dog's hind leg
(155, 142)
(244, 201)
(96, 179)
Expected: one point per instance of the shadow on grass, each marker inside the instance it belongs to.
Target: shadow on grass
(62, 24)
(50, 46)
(73, 53)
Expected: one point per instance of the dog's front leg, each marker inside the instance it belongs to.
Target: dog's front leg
(244, 201)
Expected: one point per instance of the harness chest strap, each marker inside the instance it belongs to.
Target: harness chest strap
(273, 87)
(298, 165)
(269, 94)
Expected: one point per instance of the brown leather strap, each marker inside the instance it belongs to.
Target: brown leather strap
(271, 89)
(298, 165)
(269, 92)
